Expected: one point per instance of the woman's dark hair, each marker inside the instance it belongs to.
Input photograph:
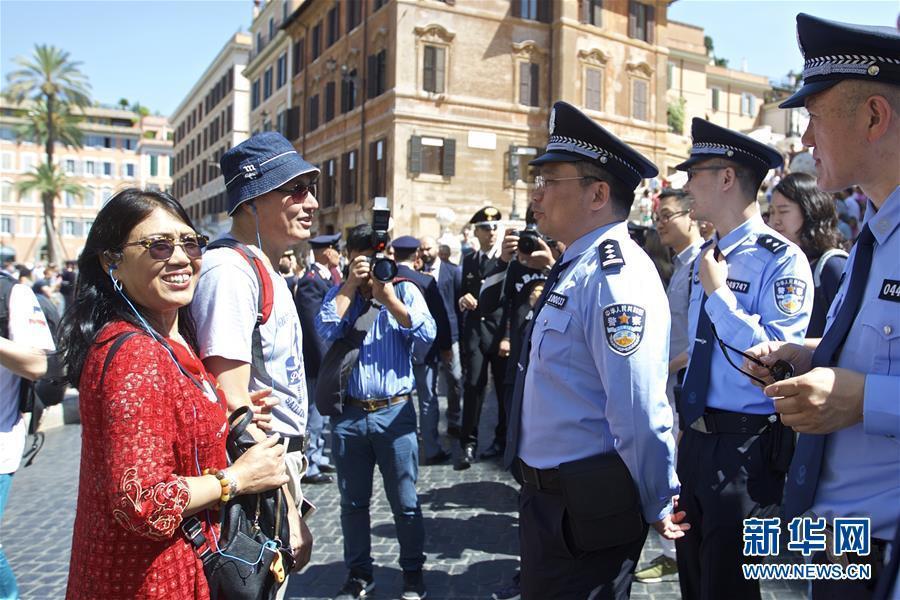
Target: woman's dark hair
(95, 302)
(819, 232)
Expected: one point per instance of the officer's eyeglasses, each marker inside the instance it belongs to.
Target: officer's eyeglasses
(780, 370)
(299, 191)
(665, 218)
(693, 170)
(541, 182)
(163, 247)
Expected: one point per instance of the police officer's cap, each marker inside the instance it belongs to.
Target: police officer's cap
(486, 215)
(712, 141)
(836, 51)
(324, 241)
(575, 137)
(405, 242)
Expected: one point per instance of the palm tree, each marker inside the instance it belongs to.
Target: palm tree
(50, 182)
(49, 75)
(65, 126)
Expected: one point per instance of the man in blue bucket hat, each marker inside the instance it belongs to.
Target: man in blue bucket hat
(247, 326)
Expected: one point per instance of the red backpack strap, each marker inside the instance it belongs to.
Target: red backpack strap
(266, 298)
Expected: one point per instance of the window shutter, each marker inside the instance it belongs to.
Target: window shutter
(593, 89)
(345, 95)
(524, 82)
(632, 18)
(439, 70)
(448, 168)
(382, 71)
(415, 154)
(372, 76)
(293, 123)
(651, 22)
(535, 84)
(428, 69)
(512, 166)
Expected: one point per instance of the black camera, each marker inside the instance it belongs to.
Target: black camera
(528, 240)
(383, 268)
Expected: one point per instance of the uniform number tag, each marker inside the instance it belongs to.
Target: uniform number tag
(735, 285)
(556, 300)
(890, 290)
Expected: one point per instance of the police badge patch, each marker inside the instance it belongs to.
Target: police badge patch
(789, 295)
(624, 327)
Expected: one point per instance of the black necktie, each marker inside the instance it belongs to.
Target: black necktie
(515, 415)
(803, 477)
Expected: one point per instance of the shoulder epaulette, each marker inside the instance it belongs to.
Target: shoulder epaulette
(706, 244)
(610, 255)
(771, 243)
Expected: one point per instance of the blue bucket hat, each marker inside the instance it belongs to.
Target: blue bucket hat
(259, 165)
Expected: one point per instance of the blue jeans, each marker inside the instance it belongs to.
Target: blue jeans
(429, 411)
(386, 437)
(8, 589)
(315, 424)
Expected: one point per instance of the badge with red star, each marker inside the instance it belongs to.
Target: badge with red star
(790, 293)
(624, 324)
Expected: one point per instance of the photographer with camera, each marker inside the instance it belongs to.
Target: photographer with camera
(525, 259)
(377, 422)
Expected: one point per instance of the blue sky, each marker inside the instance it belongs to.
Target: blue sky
(154, 51)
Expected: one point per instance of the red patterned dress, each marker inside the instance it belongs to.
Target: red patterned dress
(145, 427)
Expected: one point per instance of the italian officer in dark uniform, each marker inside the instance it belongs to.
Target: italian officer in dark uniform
(484, 344)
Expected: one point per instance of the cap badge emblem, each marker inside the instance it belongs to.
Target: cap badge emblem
(873, 70)
(552, 121)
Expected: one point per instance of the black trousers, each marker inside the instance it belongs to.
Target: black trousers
(475, 375)
(723, 478)
(553, 567)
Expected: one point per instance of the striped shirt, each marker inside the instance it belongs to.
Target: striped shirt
(384, 369)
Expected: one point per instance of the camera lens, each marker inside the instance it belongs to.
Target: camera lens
(384, 269)
(527, 241)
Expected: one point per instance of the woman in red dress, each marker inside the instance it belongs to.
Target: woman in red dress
(151, 418)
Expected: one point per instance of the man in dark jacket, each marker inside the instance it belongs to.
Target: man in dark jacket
(311, 288)
(484, 341)
(449, 283)
(425, 372)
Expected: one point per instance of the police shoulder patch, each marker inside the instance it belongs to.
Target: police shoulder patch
(610, 255)
(624, 325)
(790, 292)
(770, 243)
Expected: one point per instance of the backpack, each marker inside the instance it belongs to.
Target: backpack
(50, 390)
(265, 301)
(823, 260)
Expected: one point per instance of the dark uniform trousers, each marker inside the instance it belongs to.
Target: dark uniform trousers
(723, 478)
(475, 376)
(553, 567)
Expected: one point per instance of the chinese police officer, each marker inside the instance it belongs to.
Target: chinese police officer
(590, 430)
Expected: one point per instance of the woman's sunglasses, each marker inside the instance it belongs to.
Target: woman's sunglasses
(163, 247)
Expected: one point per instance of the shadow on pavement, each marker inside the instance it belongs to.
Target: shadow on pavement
(488, 495)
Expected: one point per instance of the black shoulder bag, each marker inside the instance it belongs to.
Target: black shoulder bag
(254, 538)
(338, 363)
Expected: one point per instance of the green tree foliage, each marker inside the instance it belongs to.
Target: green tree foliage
(675, 116)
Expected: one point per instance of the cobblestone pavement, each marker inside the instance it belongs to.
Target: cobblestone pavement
(470, 523)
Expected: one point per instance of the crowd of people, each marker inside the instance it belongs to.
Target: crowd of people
(645, 377)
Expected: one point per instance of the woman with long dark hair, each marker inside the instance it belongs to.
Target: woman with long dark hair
(152, 420)
(806, 215)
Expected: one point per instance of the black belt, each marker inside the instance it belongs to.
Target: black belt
(723, 421)
(297, 444)
(377, 404)
(546, 480)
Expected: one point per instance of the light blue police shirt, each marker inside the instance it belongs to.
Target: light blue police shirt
(861, 468)
(596, 380)
(384, 369)
(768, 297)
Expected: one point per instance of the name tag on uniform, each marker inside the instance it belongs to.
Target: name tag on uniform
(557, 300)
(890, 290)
(735, 285)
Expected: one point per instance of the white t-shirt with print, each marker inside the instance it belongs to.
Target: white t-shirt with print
(27, 325)
(225, 307)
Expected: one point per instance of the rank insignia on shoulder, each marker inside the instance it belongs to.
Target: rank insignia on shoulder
(790, 293)
(624, 325)
(770, 243)
(611, 255)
